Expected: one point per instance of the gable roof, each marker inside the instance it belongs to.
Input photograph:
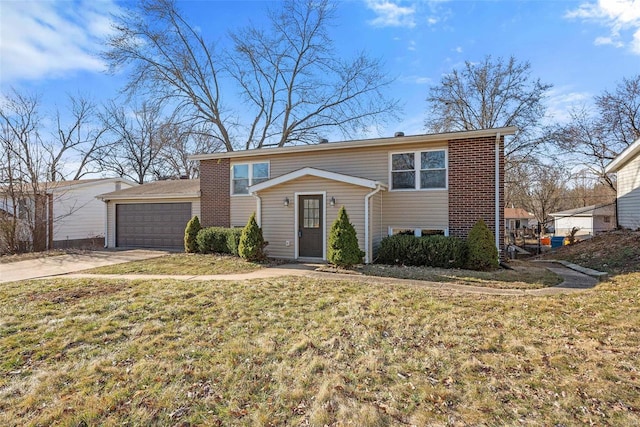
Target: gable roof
(593, 210)
(395, 141)
(517, 213)
(169, 189)
(623, 158)
(349, 179)
(51, 186)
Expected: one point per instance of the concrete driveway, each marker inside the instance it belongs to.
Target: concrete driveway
(70, 263)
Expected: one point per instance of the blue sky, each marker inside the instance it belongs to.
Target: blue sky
(581, 47)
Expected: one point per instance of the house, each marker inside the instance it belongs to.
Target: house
(589, 220)
(437, 183)
(518, 224)
(627, 168)
(62, 214)
(518, 219)
(152, 215)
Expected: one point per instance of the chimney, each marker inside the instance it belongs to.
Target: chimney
(323, 140)
(184, 176)
(397, 134)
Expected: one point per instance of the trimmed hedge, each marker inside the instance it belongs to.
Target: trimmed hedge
(431, 251)
(343, 249)
(218, 240)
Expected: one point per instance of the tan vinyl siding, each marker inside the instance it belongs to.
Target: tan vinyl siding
(111, 213)
(278, 221)
(410, 209)
(365, 162)
(241, 209)
(629, 194)
(377, 229)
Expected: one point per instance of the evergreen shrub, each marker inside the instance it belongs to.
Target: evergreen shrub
(483, 254)
(252, 244)
(343, 249)
(191, 234)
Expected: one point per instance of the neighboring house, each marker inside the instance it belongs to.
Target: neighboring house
(627, 169)
(517, 219)
(66, 213)
(589, 220)
(440, 183)
(152, 215)
(518, 224)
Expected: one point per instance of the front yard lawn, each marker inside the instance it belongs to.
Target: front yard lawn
(298, 351)
(182, 263)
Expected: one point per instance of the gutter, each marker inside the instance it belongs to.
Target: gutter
(106, 223)
(367, 245)
(497, 195)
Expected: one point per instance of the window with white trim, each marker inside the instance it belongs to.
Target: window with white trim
(244, 175)
(418, 170)
(418, 231)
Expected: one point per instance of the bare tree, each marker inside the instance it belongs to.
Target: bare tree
(178, 142)
(293, 85)
(135, 146)
(489, 94)
(619, 112)
(23, 197)
(594, 138)
(76, 140)
(539, 188)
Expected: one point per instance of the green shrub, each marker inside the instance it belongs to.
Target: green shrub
(483, 254)
(252, 244)
(431, 251)
(191, 234)
(218, 240)
(343, 247)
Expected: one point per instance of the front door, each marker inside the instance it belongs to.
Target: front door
(310, 226)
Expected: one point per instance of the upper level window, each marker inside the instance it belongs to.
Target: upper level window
(245, 175)
(419, 170)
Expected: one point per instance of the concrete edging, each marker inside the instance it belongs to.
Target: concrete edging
(600, 275)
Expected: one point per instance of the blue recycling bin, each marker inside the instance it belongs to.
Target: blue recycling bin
(557, 241)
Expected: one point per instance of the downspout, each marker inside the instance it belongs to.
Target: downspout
(367, 246)
(497, 196)
(258, 209)
(106, 223)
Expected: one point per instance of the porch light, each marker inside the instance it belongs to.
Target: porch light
(286, 201)
(332, 202)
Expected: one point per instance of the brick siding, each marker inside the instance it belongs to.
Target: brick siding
(215, 200)
(472, 184)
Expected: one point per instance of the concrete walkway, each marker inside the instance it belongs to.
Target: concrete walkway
(574, 281)
(69, 263)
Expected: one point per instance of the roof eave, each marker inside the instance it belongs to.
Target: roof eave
(107, 197)
(411, 139)
(622, 158)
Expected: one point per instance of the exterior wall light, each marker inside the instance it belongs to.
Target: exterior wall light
(332, 202)
(286, 201)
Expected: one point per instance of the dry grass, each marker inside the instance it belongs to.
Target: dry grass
(524, 275)
(6, 259)
(297, 351)
(182, 263)
(616, 252)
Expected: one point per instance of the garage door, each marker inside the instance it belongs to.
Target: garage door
(152, 225)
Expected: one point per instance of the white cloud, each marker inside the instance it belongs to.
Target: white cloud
(458, 49)
(561, 100)
(391, 14)
(622, 17)
(45, 39)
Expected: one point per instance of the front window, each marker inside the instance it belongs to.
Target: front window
(245, 175)
(423, 170)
